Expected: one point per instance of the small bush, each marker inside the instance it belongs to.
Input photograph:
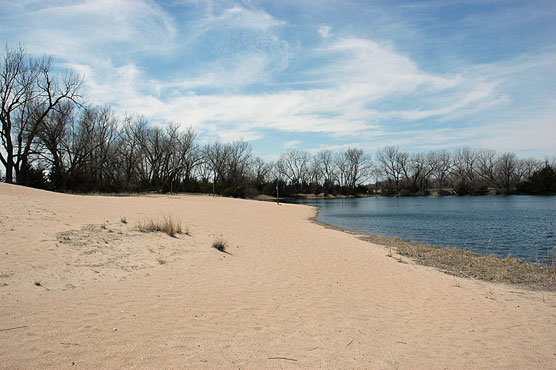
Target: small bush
(167, 225)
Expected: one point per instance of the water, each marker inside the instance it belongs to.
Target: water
(524, 226)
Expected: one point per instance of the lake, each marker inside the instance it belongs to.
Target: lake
(524, 226)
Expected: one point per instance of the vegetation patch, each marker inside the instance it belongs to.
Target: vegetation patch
(166, 224)
(464, 263)
(220, 244)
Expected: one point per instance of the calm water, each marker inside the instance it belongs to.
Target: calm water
(524, 226)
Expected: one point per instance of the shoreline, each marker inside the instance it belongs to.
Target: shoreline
(461, 262)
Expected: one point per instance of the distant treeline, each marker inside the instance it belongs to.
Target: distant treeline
(52, 139)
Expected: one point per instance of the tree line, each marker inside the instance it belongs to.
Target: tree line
(51, 138)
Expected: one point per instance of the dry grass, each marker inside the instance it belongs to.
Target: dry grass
(220, 244)
(463, 263)
(166, 224)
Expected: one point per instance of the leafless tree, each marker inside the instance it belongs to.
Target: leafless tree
(527, 167)
(392, 162)
(261, 171)
(324, 161)
(239, 161)
(441, 165)
(507, 172)
(29, 91)
(421, 167)
(294, 165)
(358, 166)
(216, 155)
(486, 165)
(130, 150)
(53, 144)
(464, 167)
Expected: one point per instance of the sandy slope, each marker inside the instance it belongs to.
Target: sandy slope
(292, 294)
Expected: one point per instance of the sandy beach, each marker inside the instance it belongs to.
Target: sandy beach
(82, 287)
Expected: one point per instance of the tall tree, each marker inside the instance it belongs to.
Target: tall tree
(358, 167)
(392, 163)
(29, 92)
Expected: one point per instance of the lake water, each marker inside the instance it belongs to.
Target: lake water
(524, 226)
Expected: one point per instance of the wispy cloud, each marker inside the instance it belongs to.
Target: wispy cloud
(292, 143)
(243, 69)
(246, 18)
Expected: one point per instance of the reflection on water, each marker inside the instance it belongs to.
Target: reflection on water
(524, 226)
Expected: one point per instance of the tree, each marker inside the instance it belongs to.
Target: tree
(487, 162)
(294, 165)
(507, 172)
(54, 140)
(441, 165)
(421, 166)
(464, 169)
(29, 92)
(130, 151)
(543, 181)
(392, 163)
(324, 162)
(358, 167)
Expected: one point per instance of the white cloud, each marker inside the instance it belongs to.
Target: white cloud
(87, 30)
(245, 18)
(324, 30)
(364, 61)
(292, 143)
(357, 88)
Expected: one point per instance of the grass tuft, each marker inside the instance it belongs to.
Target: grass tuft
(220, 244)
(166, 224)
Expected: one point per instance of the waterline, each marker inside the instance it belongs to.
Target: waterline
(523, 226)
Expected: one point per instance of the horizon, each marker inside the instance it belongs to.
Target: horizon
(311, 75)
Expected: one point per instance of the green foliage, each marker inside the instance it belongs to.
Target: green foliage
(542, 182)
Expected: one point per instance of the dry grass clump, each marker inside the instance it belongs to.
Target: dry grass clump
(220, 244)
(166, 224)
(464, 263)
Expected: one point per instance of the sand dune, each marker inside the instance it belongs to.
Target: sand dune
(79, 288)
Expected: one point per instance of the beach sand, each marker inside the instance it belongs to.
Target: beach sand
(79, 288)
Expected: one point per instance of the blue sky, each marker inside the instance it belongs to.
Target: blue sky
(308, 74)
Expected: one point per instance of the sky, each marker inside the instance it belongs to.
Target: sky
(312, 74)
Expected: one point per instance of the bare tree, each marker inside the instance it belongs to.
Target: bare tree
(358, 167)
(527, 167)
(441, 166)
(29, 91)
(507, 172)
(486, 165)
(216, 155)
(261, 171)
(238, 163)
(130, 150)
(391, 164)
(294, 165)
(53, 142)
(324, 161)
(420, 169)
(464, 162)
